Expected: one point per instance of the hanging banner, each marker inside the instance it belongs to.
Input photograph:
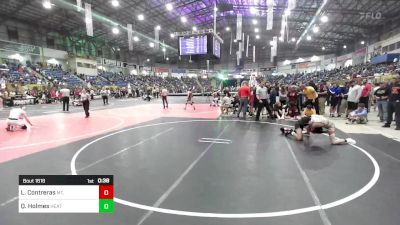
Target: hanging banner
(208, 65)
(270, 14)
(215, 18)
(274, 48)
(242, 43)
(239, 27)
(88, 19)
(230, 44)
(247, 47)
(157, 38)
(254, 53)
(130, 41)
(79, 5)
(291, 4)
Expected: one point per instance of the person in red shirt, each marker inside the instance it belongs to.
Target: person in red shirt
(366, 91)
(244, 95)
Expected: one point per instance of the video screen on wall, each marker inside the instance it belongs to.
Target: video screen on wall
(216, 48)
(194, 45)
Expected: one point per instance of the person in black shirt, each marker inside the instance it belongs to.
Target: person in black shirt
(382, 96)
(394, 104)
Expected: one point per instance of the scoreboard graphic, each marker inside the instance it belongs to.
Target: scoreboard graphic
(66, 194)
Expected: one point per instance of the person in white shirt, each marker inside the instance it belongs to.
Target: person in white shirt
(164, 94)
(65, 93)
(17, 118)
(315, 124)
(226, 103)
(104, 95)
(353, 96)
(85, 98)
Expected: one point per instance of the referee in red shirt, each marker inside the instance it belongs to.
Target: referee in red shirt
(244, 95)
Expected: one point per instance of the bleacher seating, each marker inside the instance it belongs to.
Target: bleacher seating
(62, 76)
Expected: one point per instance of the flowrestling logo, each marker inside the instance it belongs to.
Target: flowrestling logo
(371, 15)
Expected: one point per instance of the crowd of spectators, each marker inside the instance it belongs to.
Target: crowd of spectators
(363, 70)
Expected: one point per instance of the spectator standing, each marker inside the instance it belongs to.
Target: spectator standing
(85, 99)
(365, 93)
(353, 97)
(104, 95)
(322, 95)
(310, 94)
(335, 93)
(394, 105)
(65, 93)
(283, 93)
(382, 97)
(263, 100)
(244, 95)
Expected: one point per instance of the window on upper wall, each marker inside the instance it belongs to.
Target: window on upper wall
(398, 45)
(12, 33)
(50, 42)
(392, 47)
(385, 49)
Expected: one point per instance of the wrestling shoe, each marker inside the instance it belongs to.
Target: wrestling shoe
(350, 141)
(282, 130)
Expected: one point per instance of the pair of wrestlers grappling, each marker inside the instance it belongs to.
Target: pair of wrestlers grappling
(316, 124)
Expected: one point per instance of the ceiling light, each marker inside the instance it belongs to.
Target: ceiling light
(323, 48)
(315, 29)
(227, 28)
(235, 40)
(183, 19)
(256, 30)
(115, 3)
(164, 50)
(362, 42)
(172, 35)
(215, 9)
(287, 12)
(314, 58)
(281, 39)
(308, 38)
(88, 20)
(300, 60)
(151, 44)
(47, 4)
(148, 60)
(293, 39)
(271, 43)
(115, 30)
(158, 27)
(286, 62)
(167, 59)
(344, 46)
(194, 28)
(135, 38)
(169, 6)
(254, 21)
(140, 17)
(324, 19)
(257, 36)
(253, 10)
